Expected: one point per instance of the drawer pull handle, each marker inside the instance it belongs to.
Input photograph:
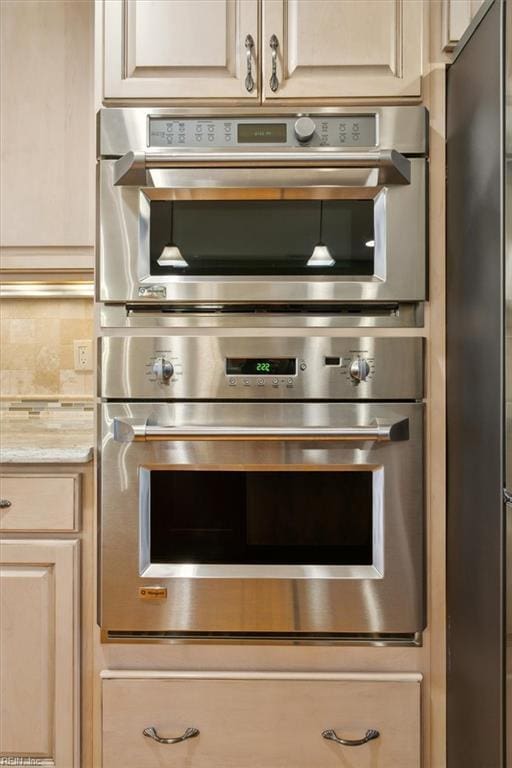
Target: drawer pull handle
(331, 735)
(5, 503)
(152, 734)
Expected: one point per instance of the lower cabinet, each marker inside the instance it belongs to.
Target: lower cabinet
(216, 720)
(39, 705)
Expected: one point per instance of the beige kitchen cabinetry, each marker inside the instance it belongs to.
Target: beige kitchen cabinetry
(40, 503)
(260, 719)
(184, 49)
(43, 511)
(308, 49)
(47, 134)
(350, 49)
(456, 17)
(39, 652)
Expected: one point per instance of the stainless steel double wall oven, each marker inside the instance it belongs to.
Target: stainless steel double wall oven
(260, 467)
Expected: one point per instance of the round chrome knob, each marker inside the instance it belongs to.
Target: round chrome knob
(163, 369)
(360, 369)
(304, 129)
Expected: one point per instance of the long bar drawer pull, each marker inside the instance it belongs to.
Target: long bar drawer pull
(5, 503)
(151, 733)
(331, 735)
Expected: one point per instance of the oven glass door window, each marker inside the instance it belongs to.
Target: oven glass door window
(259, 517)
(262, 237)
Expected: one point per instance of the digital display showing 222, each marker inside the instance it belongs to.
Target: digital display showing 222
(274, 366)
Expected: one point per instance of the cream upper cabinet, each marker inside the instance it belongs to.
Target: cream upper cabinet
(180, 49)
(47, 132)
(332, 49)
(324, 49)
(39, 710)
(457, 15)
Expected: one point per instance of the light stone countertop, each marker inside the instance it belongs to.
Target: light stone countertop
(49, 438)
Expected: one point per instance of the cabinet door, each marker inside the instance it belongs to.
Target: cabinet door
(179, 49)
(47, 133)
(457, 15)
(343, 48)
(38, 652)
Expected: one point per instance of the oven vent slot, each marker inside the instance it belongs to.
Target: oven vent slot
(287, 638)
(335, 310)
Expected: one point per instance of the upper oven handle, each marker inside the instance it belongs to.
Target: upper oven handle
(126, 432)
(393, 167)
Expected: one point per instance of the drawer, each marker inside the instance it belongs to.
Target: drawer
(40, 502)
(273, 721)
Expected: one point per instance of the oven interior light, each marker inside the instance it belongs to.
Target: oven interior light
(370, 243)
(321, 257)
(171, 257)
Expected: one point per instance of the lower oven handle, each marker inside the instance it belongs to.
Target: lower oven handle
(125, 432)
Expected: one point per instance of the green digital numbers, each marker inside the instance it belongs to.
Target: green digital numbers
(263, 367)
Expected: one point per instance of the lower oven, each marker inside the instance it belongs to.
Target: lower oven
(269, 488)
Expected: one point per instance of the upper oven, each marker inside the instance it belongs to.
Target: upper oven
(202, 209)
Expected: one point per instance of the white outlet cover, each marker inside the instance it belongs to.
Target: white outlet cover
(82, 353)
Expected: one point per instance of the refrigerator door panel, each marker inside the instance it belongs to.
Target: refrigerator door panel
(475, 537)
(508, 378)
(508, 649)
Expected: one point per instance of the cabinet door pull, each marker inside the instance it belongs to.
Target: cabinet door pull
(331, 735)
(4, 503)
(249, 80)
(274, 82)
(151, 733)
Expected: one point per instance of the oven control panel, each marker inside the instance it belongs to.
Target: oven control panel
(290, 131)
(356, 368)
(232, 368)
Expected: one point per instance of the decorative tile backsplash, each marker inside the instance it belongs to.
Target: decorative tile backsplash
(36, 348)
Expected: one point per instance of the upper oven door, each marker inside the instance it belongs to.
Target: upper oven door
(323, 226)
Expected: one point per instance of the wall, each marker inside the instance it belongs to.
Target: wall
(36, 348)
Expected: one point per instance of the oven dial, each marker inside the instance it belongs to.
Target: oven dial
(163, 369)
(360, 369)
(304, 129)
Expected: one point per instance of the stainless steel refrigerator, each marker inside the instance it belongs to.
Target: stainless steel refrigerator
(479, 393)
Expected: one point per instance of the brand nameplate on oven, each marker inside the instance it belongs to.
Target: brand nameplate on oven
(152, 292)
(153, 593)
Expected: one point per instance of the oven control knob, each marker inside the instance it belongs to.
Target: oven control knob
(360, 369)
(304, 129)
(163, 369)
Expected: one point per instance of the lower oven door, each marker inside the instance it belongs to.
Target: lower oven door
(252, 519)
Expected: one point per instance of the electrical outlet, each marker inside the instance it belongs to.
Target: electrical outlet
(82, 349)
